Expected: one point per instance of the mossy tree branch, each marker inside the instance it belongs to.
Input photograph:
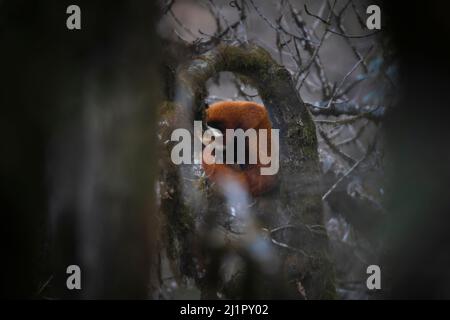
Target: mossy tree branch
(297, 201)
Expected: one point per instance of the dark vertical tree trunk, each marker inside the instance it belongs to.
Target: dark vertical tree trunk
(78, 166)
(418, 135)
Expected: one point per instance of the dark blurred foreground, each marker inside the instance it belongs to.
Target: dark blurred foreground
(77, 169)
(418, 136)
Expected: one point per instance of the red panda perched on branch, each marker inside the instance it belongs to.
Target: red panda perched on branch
(240, 115)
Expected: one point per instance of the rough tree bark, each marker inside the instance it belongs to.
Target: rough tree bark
(292, 216)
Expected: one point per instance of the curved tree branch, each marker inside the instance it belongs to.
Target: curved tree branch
(297, 200)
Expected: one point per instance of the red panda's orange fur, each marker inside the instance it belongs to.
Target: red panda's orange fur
(244, 115)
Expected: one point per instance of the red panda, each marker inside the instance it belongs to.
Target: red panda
(240, 115)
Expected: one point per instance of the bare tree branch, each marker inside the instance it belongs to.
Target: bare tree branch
(335, 149)
(374, 113)
(352, 168)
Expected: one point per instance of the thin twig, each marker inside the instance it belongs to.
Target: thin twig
(334, 186)
(335, 149)
(338, 88)
(316, 52)
(353, 167)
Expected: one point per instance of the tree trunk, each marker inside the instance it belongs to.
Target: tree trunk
(291, 218)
